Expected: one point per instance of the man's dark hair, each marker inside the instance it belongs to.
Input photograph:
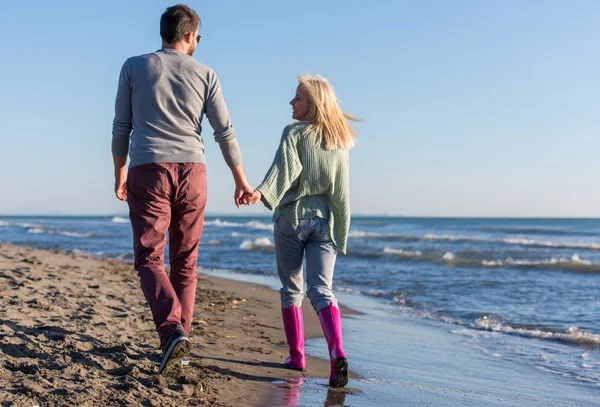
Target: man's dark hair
(177, 21)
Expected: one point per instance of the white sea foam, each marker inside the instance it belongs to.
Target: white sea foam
(449, 256)
(257, 244)
(573, 334)
(118, 219)
(401, 253)
(4, 223)
(40, 230)
(259, 225)
(574, 261)
(27, 225)
(250, 225)
(348, 290)
(223, 224)
(481, 239)
(587, 366)
(70, 234)
(467, 259)
(359, 234)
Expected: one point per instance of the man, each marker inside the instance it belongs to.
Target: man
(162, 97)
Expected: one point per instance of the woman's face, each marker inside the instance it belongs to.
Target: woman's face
(300, 104)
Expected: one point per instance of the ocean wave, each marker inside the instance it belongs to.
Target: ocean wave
(555, 245)
(573, 263)
(476, 239)
(537, 231)
(398, 297)
(21, 225)
(514, 241)
(41, 230)
(250, 225)
(381, 236)
(370, 222)
(254, 224)
(401, 253)
(571, 335)
(118, 219)
(125, 256)
(211, 243)
(262, 243)
(348, 290)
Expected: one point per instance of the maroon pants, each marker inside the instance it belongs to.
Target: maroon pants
(167, 197)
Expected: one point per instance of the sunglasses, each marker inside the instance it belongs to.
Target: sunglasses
(198, 39)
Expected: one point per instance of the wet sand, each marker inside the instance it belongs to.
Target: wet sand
(76, 330)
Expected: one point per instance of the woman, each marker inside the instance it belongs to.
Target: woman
(307, 185)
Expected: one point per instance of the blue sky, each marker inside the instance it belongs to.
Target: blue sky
(470, 108)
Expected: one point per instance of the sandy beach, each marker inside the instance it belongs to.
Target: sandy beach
(76, 330)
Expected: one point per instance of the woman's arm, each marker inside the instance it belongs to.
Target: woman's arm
(286, 168)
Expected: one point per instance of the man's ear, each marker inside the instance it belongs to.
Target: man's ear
(189, 37)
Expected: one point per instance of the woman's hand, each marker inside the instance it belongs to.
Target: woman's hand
(252, 198)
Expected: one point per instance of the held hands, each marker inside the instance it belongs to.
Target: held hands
(254, 198)
(250, 198)
(240, 194)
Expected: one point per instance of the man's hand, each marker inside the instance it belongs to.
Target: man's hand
(242, 187)
(241, 192)
(120, 177)
(120, 188)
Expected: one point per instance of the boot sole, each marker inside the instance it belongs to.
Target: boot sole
(340, 378)
(299, 369)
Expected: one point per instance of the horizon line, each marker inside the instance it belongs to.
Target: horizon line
(267, 215)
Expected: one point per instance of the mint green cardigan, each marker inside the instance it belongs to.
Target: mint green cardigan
(306, 181)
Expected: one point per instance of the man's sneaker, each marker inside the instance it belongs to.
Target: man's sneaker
(175, 347)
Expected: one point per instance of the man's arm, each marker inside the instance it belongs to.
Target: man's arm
(121, 132)
(224, 133)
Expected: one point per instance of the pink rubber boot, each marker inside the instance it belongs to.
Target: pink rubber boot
(331, 322)
(293, 325)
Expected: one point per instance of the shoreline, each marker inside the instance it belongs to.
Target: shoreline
(75, 326)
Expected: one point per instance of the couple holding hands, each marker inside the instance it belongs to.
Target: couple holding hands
(161, 100)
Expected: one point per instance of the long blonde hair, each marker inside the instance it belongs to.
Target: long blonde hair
(325, 115)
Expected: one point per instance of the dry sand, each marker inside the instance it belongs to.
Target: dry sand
(76, 330)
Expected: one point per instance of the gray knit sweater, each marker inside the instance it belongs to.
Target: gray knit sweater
(163, 97)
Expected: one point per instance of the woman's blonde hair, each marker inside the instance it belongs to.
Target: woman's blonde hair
(325, 115)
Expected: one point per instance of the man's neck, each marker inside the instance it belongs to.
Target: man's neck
(178, 46)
